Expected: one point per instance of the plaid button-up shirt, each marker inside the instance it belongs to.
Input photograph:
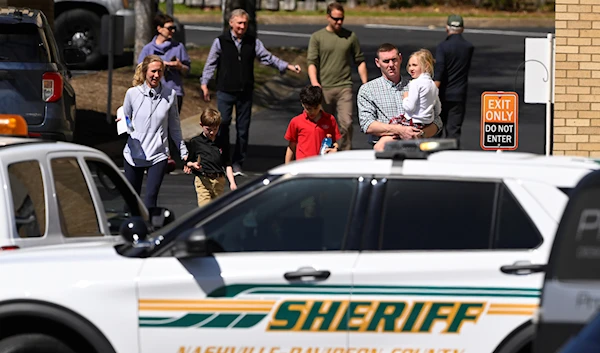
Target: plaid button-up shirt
(381, 100)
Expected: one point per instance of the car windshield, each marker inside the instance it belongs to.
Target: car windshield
(22, 42)
(192, 218)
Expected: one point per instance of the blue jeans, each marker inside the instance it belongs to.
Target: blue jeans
(135, 176)
(243, 109)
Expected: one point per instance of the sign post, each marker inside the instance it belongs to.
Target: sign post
(499, 121)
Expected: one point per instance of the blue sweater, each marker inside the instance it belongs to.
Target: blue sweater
(154, 114)
(167, 51)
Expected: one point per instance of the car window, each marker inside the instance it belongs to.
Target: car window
(566, 191)
(515, 230)
(296, 215)
(29, 205)
(75, 206)
(118, 201)
(437, 215)
(21, 42)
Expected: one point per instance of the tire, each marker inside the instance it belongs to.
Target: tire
(80, 28)
(33, 343)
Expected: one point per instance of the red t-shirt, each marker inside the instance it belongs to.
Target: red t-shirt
(309, 134)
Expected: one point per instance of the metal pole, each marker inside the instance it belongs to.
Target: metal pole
(170, 8)
(111, 52)
(549, 98)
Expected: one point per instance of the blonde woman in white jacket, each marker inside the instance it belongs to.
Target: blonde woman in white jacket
(153, 111)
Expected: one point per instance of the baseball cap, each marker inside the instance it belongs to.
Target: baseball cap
(455, 21)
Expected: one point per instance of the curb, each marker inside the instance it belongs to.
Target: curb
(437, 21)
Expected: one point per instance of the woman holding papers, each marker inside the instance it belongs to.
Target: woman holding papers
(152, 111)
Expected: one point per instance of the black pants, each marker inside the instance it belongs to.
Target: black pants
(135, 176)
(243, 110)
(453, 114)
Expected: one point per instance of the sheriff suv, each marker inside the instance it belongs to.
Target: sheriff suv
(34, 79)
(410, 250)
(56, 193)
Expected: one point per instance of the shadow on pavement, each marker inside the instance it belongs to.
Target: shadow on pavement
(262, 158)
(92, 129)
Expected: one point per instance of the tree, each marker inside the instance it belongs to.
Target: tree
(144, 15)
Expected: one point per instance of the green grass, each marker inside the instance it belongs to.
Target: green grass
(180, 9)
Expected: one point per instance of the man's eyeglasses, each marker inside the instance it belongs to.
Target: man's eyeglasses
(171, 28)
(335, 19)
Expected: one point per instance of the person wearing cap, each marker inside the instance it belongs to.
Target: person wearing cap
(451, 75)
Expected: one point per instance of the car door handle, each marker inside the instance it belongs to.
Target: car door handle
(321, 275)
(523, 268)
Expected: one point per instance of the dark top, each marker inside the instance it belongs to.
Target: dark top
(235, 69)
(452, 64)
(212, 159)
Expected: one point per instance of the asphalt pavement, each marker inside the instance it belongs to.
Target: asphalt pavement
(497, 66)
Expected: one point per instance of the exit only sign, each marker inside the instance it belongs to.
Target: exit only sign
(499, 121)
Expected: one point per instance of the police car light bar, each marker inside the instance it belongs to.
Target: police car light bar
(415, 149)
(13, 125)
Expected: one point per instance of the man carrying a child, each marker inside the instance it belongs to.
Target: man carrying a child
(380, 101)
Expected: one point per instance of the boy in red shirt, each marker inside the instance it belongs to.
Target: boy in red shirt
(306, 131)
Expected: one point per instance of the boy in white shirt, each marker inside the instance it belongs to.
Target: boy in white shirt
(421, 103)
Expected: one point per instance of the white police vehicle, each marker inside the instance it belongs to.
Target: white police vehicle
(55, 193)
(353, 252)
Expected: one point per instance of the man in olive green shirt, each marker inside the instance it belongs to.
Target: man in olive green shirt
(331, 52)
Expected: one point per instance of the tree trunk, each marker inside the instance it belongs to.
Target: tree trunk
(144, 13)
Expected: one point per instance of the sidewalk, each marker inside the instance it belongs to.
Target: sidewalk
(470, 22)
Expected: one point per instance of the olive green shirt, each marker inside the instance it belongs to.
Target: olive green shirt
(333, 54)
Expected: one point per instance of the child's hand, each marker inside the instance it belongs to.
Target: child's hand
(331, 150)
(187, 169)
(232, 186)
(405, 95)
(194, 165)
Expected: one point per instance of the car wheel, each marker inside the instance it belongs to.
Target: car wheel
(80, 28)
(33, 343)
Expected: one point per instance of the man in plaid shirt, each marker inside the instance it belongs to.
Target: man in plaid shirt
(380, 100)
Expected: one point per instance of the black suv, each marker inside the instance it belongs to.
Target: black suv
(34, 79)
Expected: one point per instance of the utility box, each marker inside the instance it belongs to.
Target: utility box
(46, 6)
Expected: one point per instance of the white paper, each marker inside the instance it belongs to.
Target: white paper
(121, 123)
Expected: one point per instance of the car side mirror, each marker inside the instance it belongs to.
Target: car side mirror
(195, 243)
(134, 230)
(74, 56)
(160, 217)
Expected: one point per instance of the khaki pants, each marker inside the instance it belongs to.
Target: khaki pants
(208, 189)
(338, 102)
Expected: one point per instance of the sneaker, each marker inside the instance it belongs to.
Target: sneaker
(237, 170)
